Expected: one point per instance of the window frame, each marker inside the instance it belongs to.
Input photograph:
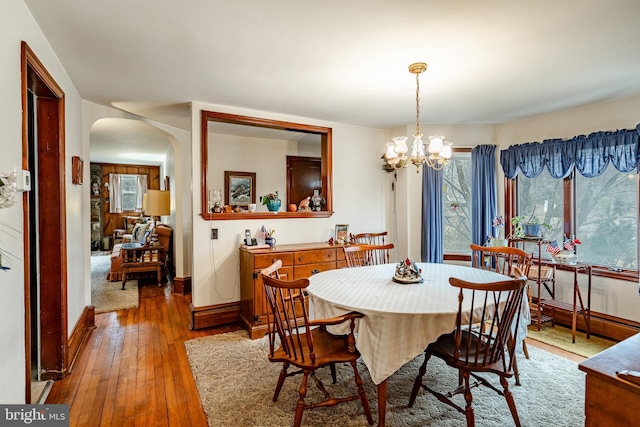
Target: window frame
(569, 213)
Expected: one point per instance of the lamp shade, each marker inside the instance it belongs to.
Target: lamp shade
(156, 202)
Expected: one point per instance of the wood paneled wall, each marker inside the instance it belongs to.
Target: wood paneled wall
(112, 221)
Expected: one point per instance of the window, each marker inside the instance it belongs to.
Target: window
(456, 199)
(129, 185)
(601, 212)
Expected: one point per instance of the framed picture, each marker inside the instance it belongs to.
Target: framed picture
(342, 233)
(239, 188)
(76, 170)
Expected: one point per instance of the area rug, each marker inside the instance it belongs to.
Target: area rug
(236, 383)
(106, 295)
(559, 336)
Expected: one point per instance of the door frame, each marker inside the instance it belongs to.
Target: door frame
(51, 232)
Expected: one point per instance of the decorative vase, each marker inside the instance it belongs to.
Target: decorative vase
(273, 205)
(531, 230)
(499, 242)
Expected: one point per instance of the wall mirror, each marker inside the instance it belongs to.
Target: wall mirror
(262, 149)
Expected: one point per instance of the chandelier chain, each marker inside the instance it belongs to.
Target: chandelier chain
(417, 104)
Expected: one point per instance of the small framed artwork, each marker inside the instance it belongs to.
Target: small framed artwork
(239, 188)
(76, 170)
(342, 233)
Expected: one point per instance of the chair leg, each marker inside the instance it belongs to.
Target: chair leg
(510, 401)
(418, 382)
(468, 397)
(283, 375)
(333, 372)
(516, 373)
(124, 279)
(525, 350)
(300, 404)
(361, 392)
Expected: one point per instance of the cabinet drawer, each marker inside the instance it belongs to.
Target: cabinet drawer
(312, 257)
(302, 271)
(262, 261)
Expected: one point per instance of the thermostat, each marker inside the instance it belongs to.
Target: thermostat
(23, 181)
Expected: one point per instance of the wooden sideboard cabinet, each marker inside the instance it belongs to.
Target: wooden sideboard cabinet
(298, 261)
(609, 399)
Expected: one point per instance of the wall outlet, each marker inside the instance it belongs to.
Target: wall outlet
(214, 233)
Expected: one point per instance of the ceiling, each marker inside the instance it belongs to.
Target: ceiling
(488, 62)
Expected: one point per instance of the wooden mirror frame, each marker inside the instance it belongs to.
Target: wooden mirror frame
(326, 167)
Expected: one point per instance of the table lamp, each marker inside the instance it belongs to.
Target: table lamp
(156, 203)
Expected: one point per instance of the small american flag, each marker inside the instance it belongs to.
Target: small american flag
(553, 248)
(568, 244)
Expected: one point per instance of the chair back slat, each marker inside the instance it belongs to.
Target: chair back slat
(290, 317)
(369, 238)
(362, 254)
(484, 338)
(501, 259)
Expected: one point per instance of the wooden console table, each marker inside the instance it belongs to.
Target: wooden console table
(609, 399)
(298, 261)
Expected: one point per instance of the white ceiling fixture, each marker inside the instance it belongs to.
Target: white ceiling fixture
(438, 151)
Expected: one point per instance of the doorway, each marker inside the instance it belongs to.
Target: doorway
(44, 223)
(304, 174)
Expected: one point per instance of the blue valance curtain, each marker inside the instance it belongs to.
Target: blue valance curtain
(432, 248)
(590, 154)
(484, 200)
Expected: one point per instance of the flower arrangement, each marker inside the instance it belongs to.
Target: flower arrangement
(7, 189)
(498, 223)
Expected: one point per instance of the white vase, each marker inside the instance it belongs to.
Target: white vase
(499, 242)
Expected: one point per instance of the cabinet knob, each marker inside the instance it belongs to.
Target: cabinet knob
(299, 258)
(315, 271)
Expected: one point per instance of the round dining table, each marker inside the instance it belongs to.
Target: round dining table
(400, 320)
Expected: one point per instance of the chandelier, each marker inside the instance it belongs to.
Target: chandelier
(438, 151)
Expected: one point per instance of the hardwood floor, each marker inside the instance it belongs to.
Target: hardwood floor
(134, 369)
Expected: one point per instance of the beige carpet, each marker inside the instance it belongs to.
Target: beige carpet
(559, 336)
(236, 383)
(106, 295)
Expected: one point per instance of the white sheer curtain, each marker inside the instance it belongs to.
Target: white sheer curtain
(141, 188)
(115, 193)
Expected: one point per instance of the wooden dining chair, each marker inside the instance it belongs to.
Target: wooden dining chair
(361, 255)
(306, 344)
(473, 352)
(369, 238)
(503, 260)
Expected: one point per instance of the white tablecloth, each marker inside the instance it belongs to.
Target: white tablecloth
(400, 320)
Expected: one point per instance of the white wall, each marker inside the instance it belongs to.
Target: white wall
(358, 200)
(16, 25)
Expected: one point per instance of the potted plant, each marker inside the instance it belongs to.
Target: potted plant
(272, 201)
(528, 227)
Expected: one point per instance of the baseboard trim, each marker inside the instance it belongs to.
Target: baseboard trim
(601, 324)
(214, 315)
(86, 323)
(182, 285)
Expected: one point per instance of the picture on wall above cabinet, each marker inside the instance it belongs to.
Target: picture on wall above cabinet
(239, 188)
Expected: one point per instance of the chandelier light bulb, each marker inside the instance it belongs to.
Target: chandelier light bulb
(435, 144)
(401, 145)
